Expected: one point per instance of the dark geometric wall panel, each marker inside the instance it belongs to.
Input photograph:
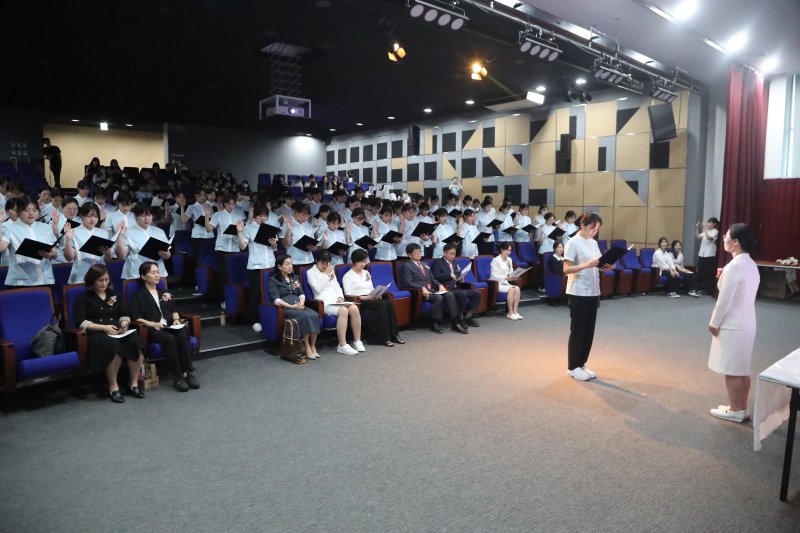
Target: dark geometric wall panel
(382, 174)
(563, 165)
(342, 156)
(489, 168)
(466, 135)
(601, 159)
(397, 149)
(449, 142)
(537, 197)
(573, 126)
(536, 127)
(354, 173)
(354, 155)
(489, 189)
(659, 155)
(488, 138)
(368, 152)
(430, 170)
(382, 151)
(514, 192)
(368, 174)
(331, 157)
(623, 116)
(397, 175)
(469, 168)
(518, 157)
(435, 144)
(413, 172)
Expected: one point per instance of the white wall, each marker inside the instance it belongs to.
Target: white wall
(776, 124)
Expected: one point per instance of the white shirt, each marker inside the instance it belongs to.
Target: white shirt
(221, 220)
(259, 256)
(334, 237)
(357, 284)
(547, 244)
(501, 269)
(442, 232)
(569, 228)
(738, 284)
(176, 224)
(502, 236)
(409, 227)
(521, 222)
(82, 199)
(385, 250)
(587, 281)
(324, 286)
(468, 234)
(663, 261)
(83, 261)
(482, 220)
(195, 211)
(113, 220)
(356, 232)
(26, 271)
(135, 239)
(708, 247)
(300, 257)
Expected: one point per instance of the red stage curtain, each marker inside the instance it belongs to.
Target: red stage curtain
(780, 222)
(746, 133)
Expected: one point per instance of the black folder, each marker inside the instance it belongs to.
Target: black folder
(480, 238)
(511, 230)
(200, 221)
(94, 243)
(265, 233)
(452, 238)
(304, 242)
(556, 234)
(423, 228)
(571, 235)
(230, 230)
(31, 248)
(494, 223)
(613, 255)
(529, 228)
(366, 241)
(338, 248)
(455, 213)
(71, 223)
(391, 236)
(153, 246)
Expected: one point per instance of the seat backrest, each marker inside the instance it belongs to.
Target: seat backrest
(3, 274)
(307, 290)
(23, 312)
(132, 286)
(647, 256)
(61, 272)
(546, 261)
(619, 243)
(631, 260)
(265, 275)
(383, 274)
(527, 252)
(70, 296)
(341, 270)
(462, 262)
(115, 271)
(603, 245)
(236, 268)
(483, 267)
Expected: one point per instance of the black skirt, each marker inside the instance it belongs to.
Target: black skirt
(378, 321)
(103, 348)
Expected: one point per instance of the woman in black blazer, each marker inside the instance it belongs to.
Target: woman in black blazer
(285, 291)
(155, 309)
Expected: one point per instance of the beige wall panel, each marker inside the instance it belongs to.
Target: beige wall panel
(630, 223)
(448, 172)
(569, 189)
(562, 121)
(498, 157)
(543, 158)
(633, 151)
(624, 195)
(598, 188)
(639, 122)
(548, 131)
(608, 215)
(513, 167)
(415, 187)
(472, 187)
(427, 143)
(667, 187)
(546, 181)
(601, 119)
(518, 129)
(79, 144)
(590, 155)
(578, 155)
(664, 222)
(399, 162)
(677, 149)
(476, 141)
(500, 131)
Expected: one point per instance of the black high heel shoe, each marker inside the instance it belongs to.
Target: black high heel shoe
(116, 396)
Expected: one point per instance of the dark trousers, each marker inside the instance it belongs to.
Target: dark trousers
(175, 347)
(56, 176)
(437, 300)
(672, 284)
(378, 320)
(583, 315)
(468, 300)
(221, 272)
(706, 273)
(254, 294)
(689, 281)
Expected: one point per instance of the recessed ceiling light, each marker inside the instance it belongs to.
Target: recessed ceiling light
(515, 115)
(390, 118)
(685, 9)
(128, 125)
(769, 65)
(331, 129)
(540, 88)
(623, 98)
(580, 81)
(470, 102)
(428, 110)
(359, 124)
(308, 135)
(104, 126)
(74, 120)
(473, 121)
(736, 43)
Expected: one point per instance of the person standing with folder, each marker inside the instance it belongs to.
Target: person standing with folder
(29, 269)
(131, 242)
(75, 239)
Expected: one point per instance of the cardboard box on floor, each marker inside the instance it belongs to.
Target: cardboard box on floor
(150, 376)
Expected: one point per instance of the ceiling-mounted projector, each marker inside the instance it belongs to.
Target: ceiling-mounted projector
(286, 106)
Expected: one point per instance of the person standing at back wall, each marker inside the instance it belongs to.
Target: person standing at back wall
(53, 154)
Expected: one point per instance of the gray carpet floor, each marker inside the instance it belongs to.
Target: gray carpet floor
(478, 432)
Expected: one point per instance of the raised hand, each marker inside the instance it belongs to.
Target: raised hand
(239, 226)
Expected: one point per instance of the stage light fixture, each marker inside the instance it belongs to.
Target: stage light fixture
(478, 72)
(470, 102)
(610, 72)
(664, 90)
(104, 126)
(445, 13)
(396, 51)
(534, 42)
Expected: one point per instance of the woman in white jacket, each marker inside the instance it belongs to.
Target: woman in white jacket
(733, 322)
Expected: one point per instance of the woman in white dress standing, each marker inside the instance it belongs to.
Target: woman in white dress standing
(733, 322)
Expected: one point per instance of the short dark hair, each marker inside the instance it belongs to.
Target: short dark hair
(144, 268)
(333, 216)
(412, 247)
(280, 260)
(358, 255)
(745, 235)
(300, 207)
(141, 209)
(450, 246)
(124, 198)
(82, 185)
(260, 210)
(88, 208)
(94, 273)
(503, 245)
(322, 256)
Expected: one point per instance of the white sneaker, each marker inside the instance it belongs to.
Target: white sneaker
(512, 317)
(222, 305)
(579, 374)
(519, 316)
(694, 294)
(591, 373)
(674, 295)
(347, 350)
(724, 412)
(257, 327)
(359, 346)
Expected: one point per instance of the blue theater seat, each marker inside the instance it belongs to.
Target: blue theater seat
(383, 274)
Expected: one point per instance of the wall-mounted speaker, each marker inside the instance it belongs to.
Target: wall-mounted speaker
(413, 140)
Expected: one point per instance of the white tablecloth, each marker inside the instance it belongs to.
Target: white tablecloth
(773, 395)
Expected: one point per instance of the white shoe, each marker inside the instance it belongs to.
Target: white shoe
(347, 350)
(694, 294)
(519, 316)
(257, 327)
(359, 346)
(674, 295)
(222, 305)
(724, 412)
(579, 374)
(512, 317)
(592, 374)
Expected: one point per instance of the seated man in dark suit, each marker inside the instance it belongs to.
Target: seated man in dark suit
(446, 271)
(415, 275)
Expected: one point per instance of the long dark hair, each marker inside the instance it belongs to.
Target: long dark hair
(745, 235)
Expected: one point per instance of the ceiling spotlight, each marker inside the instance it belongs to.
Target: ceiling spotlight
(685, 9)
(533, 41)
(428, 110)
(445, 13)
(611, 72)
(104, 126)
(359, 124)
(584, 97)
(540, 88)
(74, 120)
(390, 118)
(308, 135)
(470, 102)
(331, 129)
(736, 43)
(769, 65)
(396, 51)
(536, 98)
(580, 81)
(128, 125)
(478, 72)
(664, 90)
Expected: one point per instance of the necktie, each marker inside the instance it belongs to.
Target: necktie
(422, 269)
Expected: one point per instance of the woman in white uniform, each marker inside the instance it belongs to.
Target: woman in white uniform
(132, 240)
(26, 271)
(733, 322)
(75, 239)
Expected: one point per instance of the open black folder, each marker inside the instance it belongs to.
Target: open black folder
(511, 230)
(304, 242)
(338, 248)
(556, 234)
(494, 223)
(613, 255)
(153, 246)
(481, 237)
(366, 241)
(391, 236)
(423, 228)
(94, 243)
(265, 233)
(31, 248)
(452, 238)
(230, 230)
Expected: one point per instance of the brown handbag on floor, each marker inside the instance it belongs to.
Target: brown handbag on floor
(291, 345)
